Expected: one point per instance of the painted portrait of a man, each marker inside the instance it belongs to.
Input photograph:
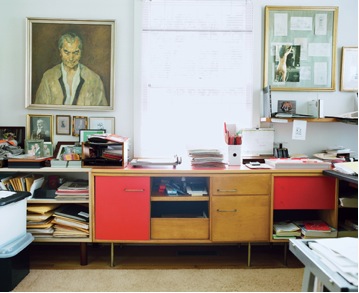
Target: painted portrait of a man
(71, 65)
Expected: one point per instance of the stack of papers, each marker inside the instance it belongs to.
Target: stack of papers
(286, 230)
(340, 255)
(349, 168)
(206, 158)
(284, 163)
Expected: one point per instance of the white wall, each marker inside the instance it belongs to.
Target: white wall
(13, 15)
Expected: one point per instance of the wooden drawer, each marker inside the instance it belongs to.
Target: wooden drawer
(241, 184)
(181, 229)
(240, 218)
(304, 192)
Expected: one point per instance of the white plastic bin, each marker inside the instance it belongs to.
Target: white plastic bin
(12, 215)
(14, 262)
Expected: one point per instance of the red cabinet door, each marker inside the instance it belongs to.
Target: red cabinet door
(304, 192)
(122, 208)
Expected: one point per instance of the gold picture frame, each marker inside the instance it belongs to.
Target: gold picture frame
(300, 48)
(78, 123)
(349, 70)
(39, 126)
(92, 42)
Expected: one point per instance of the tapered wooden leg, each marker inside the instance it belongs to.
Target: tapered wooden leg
(249, 255)
(83, 254)
(112, 254)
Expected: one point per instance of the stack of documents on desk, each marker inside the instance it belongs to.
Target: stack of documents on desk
(206, 158)
(284, 163)
(348, 168)
(340, 255)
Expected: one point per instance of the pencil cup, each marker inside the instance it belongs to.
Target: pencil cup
(234, 155)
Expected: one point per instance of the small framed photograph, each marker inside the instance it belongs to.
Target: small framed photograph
(107, 123)
(39, 127)
(287, 106)
(14, 134)
(34, 147)
(85, 133)
(63, 124)
(59, 146)
(78, 123)
(349, 70)
(48, 149)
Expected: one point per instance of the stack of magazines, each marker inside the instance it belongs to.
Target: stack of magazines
(73, 190)
(71, 220)
(206, 158)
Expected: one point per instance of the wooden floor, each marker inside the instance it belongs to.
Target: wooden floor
(67, 256)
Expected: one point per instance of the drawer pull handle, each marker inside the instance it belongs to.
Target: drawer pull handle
(133, 190)
(226, 190)
(227, 211)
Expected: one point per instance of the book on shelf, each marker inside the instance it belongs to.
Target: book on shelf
(74, 185)
(73, 211)
(316, 229)
(348, 202)
(346, 230)
(352, 223)
(285, 163)
(286, 229)
(283, 237)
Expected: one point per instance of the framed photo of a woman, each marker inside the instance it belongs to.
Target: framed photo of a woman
(70, 64)
(39, 127)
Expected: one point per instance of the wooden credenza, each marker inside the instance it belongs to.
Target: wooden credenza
(240, 207)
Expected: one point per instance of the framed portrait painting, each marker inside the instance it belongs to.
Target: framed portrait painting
(300, 48)
(39, 127)
(56, 46)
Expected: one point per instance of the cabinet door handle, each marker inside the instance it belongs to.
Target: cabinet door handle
(227, 211)
(133, 190)
(226, 190)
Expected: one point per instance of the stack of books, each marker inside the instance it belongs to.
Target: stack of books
(285, 163)
(39, 219)
(71, 221)
(206, 158)
(73, 190)
(316, 229)
(285, 230)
